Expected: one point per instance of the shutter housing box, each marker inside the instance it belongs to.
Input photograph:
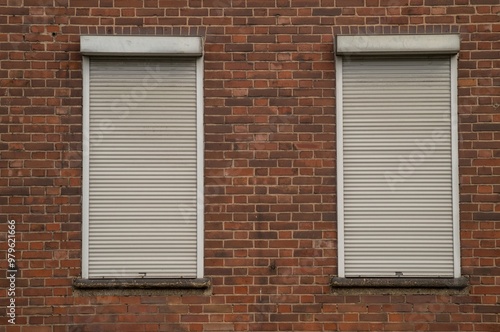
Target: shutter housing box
(398, 44)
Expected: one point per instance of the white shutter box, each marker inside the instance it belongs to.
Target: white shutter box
(142, 168)
(397, 166)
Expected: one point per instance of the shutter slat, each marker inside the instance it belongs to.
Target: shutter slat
(397, 166)
(142, 185)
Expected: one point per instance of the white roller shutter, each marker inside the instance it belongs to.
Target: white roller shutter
(396, 166)
(142, 212)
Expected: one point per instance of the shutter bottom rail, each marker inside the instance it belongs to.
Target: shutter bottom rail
(142, 283)
(402, 282)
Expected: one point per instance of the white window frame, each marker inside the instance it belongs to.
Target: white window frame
(153, 46)
(398, 45)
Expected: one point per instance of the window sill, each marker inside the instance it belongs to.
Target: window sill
(453, 283)
(142, 287)
(146, 283)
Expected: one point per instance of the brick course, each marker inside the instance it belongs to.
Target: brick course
(270, 221)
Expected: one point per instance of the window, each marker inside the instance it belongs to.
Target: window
(397, 156)
(143, 157)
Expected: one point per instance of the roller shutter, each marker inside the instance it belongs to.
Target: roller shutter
(142, 167)
(397, 166)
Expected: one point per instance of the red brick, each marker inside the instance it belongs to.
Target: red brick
(269, 163)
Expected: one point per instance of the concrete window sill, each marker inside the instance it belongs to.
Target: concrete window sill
(442, 283)
(176, 285)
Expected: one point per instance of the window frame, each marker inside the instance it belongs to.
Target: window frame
(398, 45)
(149, 46)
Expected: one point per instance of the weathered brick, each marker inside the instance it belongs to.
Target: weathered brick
(270, 211)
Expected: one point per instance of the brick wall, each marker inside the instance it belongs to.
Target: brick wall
(269, 165)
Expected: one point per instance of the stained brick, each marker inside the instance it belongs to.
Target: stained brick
(13, 191)
(493, 309)
(486, 127)
(494, 216)
(326, 11)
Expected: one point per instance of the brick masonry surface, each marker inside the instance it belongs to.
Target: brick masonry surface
(270, 184)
